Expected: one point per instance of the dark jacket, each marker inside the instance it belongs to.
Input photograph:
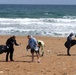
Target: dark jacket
(10, 43)
(69, 39)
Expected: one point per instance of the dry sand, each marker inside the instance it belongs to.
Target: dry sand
(54, 62)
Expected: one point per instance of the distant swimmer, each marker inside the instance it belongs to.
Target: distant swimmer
(69, 43)
(41, 47)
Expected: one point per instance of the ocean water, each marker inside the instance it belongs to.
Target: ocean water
(38, 20)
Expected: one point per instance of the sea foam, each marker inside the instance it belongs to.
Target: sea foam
(38, 26)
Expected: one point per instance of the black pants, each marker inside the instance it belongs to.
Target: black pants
(10, 51)
(32, 51)
(68, 51)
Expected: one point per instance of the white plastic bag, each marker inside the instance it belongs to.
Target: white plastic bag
(36, 48)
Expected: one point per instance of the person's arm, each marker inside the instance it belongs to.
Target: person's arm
(28, 42)
(7, 42)
(16, 43)
(69, 39)
(35, 41)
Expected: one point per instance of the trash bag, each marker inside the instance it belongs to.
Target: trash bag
(73, 42)
(66, 44)
(3, 49)
(27, 47)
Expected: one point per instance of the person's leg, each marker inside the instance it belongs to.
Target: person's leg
(68, 51)
(38, 56)
(7, 54)
(32, 52)
(32, 57)
(11, 55)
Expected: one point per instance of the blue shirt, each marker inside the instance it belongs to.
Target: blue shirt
(32, 42)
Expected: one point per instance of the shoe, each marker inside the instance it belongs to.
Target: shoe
(68, 54)
(6, 60)
(38, 61)
(11, 60)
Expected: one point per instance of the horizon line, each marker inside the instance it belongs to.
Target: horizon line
(35, 4)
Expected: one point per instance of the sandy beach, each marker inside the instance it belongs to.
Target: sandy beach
(54, 62)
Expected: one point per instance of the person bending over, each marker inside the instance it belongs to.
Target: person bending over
(41, 46)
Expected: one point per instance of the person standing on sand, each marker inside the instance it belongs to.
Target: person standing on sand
(69, 42)
(10, 43)
(41, 46)
(32, 43)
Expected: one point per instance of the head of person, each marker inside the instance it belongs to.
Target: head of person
(13, 37)
(39, 44)
(71, 34)
(29, 36)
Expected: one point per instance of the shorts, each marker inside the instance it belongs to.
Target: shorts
(32, 51)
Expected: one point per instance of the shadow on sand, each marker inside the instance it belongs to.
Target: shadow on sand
(29, 56)
(65, 55)
(17, 61)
